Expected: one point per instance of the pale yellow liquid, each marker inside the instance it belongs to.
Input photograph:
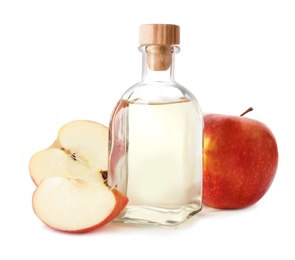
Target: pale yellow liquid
(164, 163)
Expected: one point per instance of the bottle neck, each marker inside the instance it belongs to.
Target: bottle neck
(158, 62)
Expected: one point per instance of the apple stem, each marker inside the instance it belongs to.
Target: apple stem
(248, 110)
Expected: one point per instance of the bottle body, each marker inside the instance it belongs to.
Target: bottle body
(156, 137)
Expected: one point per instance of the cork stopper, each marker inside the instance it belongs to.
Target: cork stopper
(163, 34)
(159, 39)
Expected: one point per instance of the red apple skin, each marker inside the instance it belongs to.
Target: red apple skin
(240, 161)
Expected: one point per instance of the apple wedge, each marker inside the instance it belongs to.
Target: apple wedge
(80, 151)
(76, 206)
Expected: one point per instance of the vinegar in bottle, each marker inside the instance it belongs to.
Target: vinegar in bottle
(156, 139)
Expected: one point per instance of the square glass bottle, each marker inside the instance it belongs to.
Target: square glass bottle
(156, 138)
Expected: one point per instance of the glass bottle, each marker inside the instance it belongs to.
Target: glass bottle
(156, 138)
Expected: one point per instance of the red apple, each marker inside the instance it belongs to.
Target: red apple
(240, 161)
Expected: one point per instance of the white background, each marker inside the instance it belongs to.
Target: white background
(66, 60)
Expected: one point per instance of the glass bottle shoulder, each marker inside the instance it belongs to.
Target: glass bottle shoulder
(157, 92)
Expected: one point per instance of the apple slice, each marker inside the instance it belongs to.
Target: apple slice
(74, 205)
(80, 151)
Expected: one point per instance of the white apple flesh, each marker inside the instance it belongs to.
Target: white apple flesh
(80, 151)
(74, 205)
